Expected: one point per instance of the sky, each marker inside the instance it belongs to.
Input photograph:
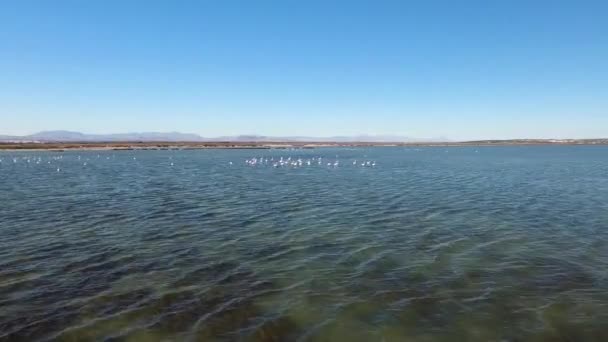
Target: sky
(454, 69)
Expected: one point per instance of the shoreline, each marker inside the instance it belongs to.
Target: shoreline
(129, 146)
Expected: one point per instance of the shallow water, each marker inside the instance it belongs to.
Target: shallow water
(431, 244)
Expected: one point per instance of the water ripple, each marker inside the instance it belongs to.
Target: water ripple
(506, 244)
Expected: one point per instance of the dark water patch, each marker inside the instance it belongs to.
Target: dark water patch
(51, 249)
(550, 276)
(206, 273)
(236, 315)
(238, 277)
(182, 318)
(568, 332)
(99, 262)
(35, 326)
(108, 216)
(268, 251)
(144, 266)
(113, 303)
(276, 330)
(230, 298)
(92, 257)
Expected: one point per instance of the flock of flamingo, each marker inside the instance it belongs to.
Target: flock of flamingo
(299, 162)
(55, 161)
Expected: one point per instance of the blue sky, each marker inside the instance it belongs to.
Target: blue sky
(457, 69)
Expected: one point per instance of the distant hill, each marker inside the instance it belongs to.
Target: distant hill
(57, 136)
(69, 136)
(356, 138)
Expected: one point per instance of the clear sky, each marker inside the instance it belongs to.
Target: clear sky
(425, 69)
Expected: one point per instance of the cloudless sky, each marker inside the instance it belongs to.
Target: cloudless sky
(425, 69)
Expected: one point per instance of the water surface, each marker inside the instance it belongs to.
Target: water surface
(431, 244)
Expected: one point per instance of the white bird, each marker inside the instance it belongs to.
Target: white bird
(355, 162)
(58, 169)
(171, 163)
(373, 163)
(230, 163)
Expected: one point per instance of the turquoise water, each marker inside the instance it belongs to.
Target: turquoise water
(431, 244)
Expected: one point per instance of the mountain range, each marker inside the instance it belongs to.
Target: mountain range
(69, 136)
